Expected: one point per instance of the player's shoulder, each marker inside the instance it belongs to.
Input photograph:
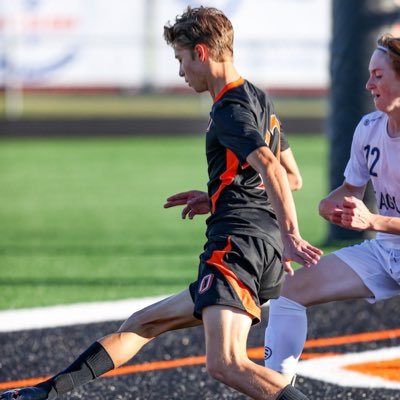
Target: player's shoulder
(258, 95)
(246, 97)
(371, 128)
(372, 119)
(244, 94)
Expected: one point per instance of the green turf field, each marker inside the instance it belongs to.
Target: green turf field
(83, 219)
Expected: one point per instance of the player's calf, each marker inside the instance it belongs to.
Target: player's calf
(291, 393)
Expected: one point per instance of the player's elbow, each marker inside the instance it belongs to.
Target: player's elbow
(295, 181)
(323, 208)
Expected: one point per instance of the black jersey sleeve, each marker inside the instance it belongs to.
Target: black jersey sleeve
(284, 142)
(237, 130)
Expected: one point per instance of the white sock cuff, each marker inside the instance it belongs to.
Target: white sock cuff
(285, 306)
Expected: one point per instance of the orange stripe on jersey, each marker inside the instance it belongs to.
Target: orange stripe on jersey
(244, 293)
(268, 138)
(274, 124)
(227, 177)
(229, 86)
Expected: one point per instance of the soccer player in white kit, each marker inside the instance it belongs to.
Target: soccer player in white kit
(370, 270)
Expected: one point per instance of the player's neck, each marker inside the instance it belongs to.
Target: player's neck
(221, 74)
(393, 126)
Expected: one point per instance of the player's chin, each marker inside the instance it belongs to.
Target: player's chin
(381, 106)
(199, 90)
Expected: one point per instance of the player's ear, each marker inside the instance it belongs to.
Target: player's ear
(202, 51)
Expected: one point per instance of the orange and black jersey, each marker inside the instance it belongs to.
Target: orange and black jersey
(242, 119)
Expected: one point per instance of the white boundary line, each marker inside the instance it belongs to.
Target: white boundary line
(333, 369)
(73, 314)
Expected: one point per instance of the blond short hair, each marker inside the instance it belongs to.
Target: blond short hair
(202, 25)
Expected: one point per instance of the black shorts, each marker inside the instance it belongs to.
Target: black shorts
(237, 271)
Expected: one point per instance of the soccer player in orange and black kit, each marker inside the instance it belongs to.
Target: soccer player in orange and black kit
(252, 231)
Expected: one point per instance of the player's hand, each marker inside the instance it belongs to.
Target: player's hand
(356, 215)
(196, 202)
(300, 251)
(331, 211)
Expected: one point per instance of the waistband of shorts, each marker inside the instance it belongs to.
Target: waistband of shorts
(389, 244)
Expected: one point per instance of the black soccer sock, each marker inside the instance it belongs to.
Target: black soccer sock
(291, 393)
(92, 363)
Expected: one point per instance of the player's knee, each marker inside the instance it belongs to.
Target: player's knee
(223, 369)
(143, 324)
(296, 290)
(217, 371)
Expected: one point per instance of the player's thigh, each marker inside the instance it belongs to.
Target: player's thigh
(331, 279)
(174, 312)
(226, 331)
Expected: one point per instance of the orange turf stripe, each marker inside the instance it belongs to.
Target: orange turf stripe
(229, 86)
(125, 370)
(239, 287)
(255, 353)
(388, 369)
(357, 338)
(157, 365)
(22, 382)
(309, 356)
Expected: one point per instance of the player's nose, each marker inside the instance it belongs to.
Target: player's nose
(369, 85)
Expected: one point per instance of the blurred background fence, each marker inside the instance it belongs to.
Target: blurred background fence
(92, 44)
(115, 58)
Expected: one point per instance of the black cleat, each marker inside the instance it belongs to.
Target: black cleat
(28, 393)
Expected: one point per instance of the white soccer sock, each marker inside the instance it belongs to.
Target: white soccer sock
(285, 336)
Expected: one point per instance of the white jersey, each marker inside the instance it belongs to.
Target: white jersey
(376, 156)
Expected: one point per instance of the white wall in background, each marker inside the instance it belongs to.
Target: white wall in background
(98, 43)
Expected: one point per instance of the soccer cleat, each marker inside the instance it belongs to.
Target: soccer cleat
(28, 393)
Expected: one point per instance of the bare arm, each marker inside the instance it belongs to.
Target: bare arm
(373, 222)
(278, 190)
(352, 213)
(331, 207)
(344, 207)
(293, 173)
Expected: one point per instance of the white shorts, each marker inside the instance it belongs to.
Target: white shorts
(377, 265)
